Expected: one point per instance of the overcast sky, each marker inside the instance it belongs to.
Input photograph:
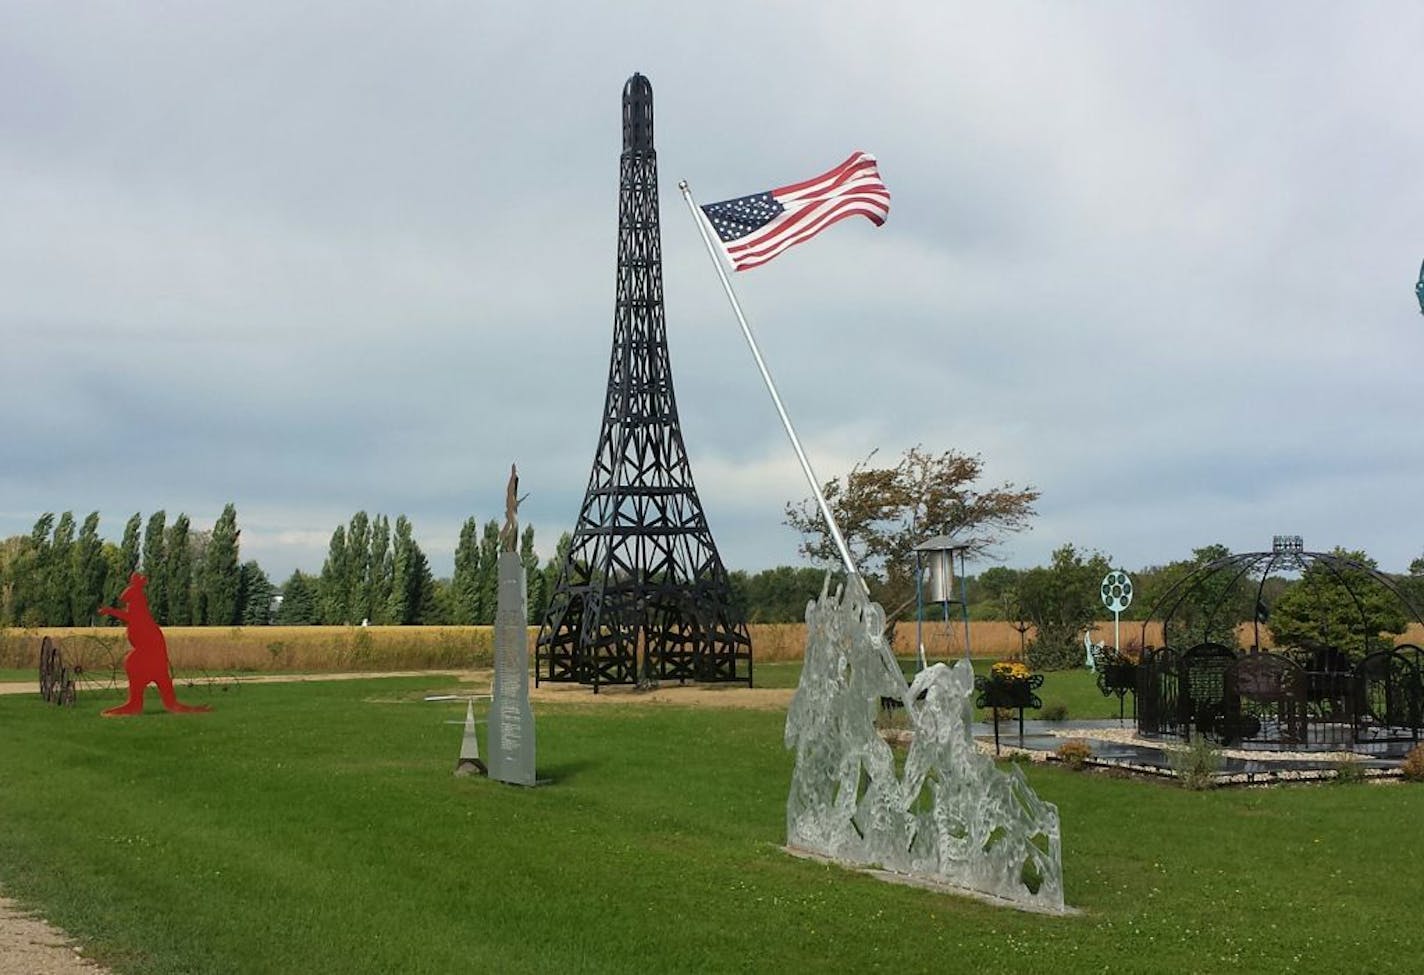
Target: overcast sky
(1156, 260)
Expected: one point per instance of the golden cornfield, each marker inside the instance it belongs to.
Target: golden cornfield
(317, 649)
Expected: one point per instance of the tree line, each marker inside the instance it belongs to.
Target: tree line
(886, 511)
(62, 572)
(1323, 606)
(375, 572)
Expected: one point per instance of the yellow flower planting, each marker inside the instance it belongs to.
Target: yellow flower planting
(1010, 670)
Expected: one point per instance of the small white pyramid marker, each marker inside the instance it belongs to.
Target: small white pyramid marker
(469, 762)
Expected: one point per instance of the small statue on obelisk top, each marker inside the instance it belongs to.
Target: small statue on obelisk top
(509, 534)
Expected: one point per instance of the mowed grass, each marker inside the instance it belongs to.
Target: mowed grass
(317, 828)
(1075, 690)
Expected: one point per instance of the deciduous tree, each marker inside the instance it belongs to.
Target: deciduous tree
(178, 573)
(533, 578)
(332, 585)
(155, 567)
(88, 573)
(884, 512)
(1338, 604)
(488, 576)
(465, 583)
(378, 580)
(550, 574)
(358, 567)
(59, 579)
(1061, 601)
(1203, 606)
(11, 552)
(413, 589)
(128, 556)
(222, 578)
(30, 572)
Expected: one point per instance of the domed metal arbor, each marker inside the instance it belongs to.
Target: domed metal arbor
(1356, 690)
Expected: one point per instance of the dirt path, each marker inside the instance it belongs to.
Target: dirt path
(33, 687)
(689, 695)
(30, 946)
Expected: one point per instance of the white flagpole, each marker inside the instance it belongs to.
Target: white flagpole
(771, 387)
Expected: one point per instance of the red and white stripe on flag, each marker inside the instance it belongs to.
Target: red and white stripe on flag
(853, 188)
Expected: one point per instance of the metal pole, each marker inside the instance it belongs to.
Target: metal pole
(948, 633)
(920, 611)
(964, 601)
(771, 388)
(891, 663)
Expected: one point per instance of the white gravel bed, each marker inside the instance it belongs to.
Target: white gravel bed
(1125, 736)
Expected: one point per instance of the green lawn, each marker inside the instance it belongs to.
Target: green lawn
(317, 828)
(1075, 690)
(8, 674)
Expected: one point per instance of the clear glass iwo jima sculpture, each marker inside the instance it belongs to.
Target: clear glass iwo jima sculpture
(952, 817)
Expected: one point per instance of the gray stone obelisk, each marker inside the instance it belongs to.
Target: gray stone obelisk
(511, 721)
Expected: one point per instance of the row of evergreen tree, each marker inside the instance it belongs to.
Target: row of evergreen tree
(62, 572)
(377, 573)
(374, 572)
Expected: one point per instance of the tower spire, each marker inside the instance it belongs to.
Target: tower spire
(643, 594)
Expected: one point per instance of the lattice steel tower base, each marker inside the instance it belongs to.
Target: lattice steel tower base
(643, 594)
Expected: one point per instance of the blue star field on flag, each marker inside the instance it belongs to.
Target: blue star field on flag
(754, 229)
(737, 218)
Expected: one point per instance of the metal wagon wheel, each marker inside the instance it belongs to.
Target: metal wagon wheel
(65, 693)
(204, 678)
(49, 668)
(96, 662)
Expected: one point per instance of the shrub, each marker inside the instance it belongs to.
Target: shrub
(1074, 753)
(1349, 770)
(1131, 651)
(1196, 764)
(1056, 648)
(1412, 768)
(1057, 711)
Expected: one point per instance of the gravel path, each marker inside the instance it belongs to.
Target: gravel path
(1127, 736)
(30, 946)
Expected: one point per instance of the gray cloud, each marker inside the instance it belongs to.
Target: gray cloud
(1154, 260)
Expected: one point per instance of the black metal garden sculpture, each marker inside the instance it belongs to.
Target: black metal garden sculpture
(1354, 689)
(643, 595)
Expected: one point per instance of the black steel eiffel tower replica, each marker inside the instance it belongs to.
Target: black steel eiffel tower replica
(643, 595)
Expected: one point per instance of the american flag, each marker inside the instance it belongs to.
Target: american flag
(756, 228)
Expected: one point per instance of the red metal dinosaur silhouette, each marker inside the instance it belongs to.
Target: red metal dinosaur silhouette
(147, 662)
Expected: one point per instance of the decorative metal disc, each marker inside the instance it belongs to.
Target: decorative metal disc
(1117, 591)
